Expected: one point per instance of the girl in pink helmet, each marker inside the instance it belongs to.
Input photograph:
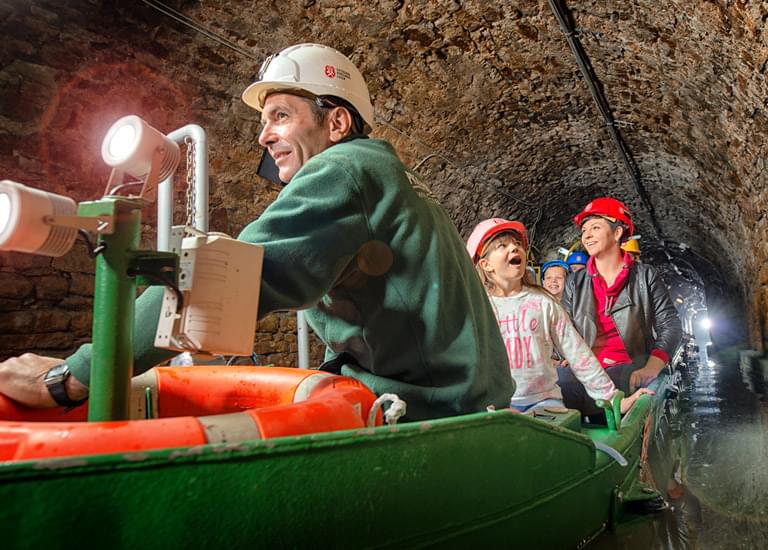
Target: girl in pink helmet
(532, 322)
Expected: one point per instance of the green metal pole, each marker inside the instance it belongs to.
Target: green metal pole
(612, 410)
(113, 310)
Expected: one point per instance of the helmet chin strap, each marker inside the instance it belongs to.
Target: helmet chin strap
(329, 102)
(268, 169)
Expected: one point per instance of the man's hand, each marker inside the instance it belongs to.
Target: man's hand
(629, 402)
(21, 379)
(646, 375)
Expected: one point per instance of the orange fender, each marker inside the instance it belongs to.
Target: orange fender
(193, 406)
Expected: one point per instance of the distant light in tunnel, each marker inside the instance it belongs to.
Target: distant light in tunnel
(706, 323)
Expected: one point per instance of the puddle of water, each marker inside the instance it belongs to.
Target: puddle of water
(712, 457)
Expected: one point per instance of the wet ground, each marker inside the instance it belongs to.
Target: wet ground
(712, 461)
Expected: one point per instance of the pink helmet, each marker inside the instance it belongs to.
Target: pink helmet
(487, 229)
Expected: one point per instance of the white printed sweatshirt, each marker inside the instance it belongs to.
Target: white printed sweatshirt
(532, 325)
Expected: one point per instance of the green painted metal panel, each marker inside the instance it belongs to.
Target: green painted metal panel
(490, 478)
(496, 478)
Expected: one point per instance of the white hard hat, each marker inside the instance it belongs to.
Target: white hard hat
(316, 69)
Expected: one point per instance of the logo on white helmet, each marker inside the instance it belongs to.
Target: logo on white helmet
(335, 72)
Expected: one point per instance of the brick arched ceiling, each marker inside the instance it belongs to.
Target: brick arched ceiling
(485, 97)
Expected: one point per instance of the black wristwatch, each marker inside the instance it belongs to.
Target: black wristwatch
(54, 381)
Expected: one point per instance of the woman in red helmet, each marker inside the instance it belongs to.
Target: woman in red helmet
(621, 308)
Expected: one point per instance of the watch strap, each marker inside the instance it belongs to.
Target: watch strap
(57, 389)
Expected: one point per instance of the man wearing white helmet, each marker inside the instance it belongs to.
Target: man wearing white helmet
(355, 239)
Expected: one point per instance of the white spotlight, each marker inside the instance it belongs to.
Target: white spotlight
(136, 148)
(706, 323)
(122, 141)
(5, 211)
(24, 220)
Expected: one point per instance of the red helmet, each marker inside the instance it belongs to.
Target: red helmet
(607, 207)
(487, 229)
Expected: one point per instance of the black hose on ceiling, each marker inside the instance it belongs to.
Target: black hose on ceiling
(564, 18)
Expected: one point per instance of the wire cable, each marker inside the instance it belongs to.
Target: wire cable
(164, 281)
(563, 16)
(194, 25)
(118, 187)
(93, 251)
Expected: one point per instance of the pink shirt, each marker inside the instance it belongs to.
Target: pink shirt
(608, 347)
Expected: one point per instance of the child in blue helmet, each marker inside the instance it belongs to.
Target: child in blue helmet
(532, 323)
(577, 260)
(553, 276)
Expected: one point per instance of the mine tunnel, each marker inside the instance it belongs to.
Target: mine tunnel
(523, 110)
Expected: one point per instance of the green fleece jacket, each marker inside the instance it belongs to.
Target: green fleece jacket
(355, 239)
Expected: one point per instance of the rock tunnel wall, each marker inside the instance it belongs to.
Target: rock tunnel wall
(483, 98)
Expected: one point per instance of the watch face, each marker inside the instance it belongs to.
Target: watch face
(59, 372)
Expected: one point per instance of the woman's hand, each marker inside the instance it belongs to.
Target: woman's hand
(646, 375)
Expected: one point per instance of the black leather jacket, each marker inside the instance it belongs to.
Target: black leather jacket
(644, 314)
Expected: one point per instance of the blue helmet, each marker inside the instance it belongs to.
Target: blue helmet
(577, 257)
(554, 263)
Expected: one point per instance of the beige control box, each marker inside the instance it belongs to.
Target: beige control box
(220, 279)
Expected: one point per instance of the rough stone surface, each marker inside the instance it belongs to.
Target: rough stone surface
(483, 98)
(51, 287)
(15, 286)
